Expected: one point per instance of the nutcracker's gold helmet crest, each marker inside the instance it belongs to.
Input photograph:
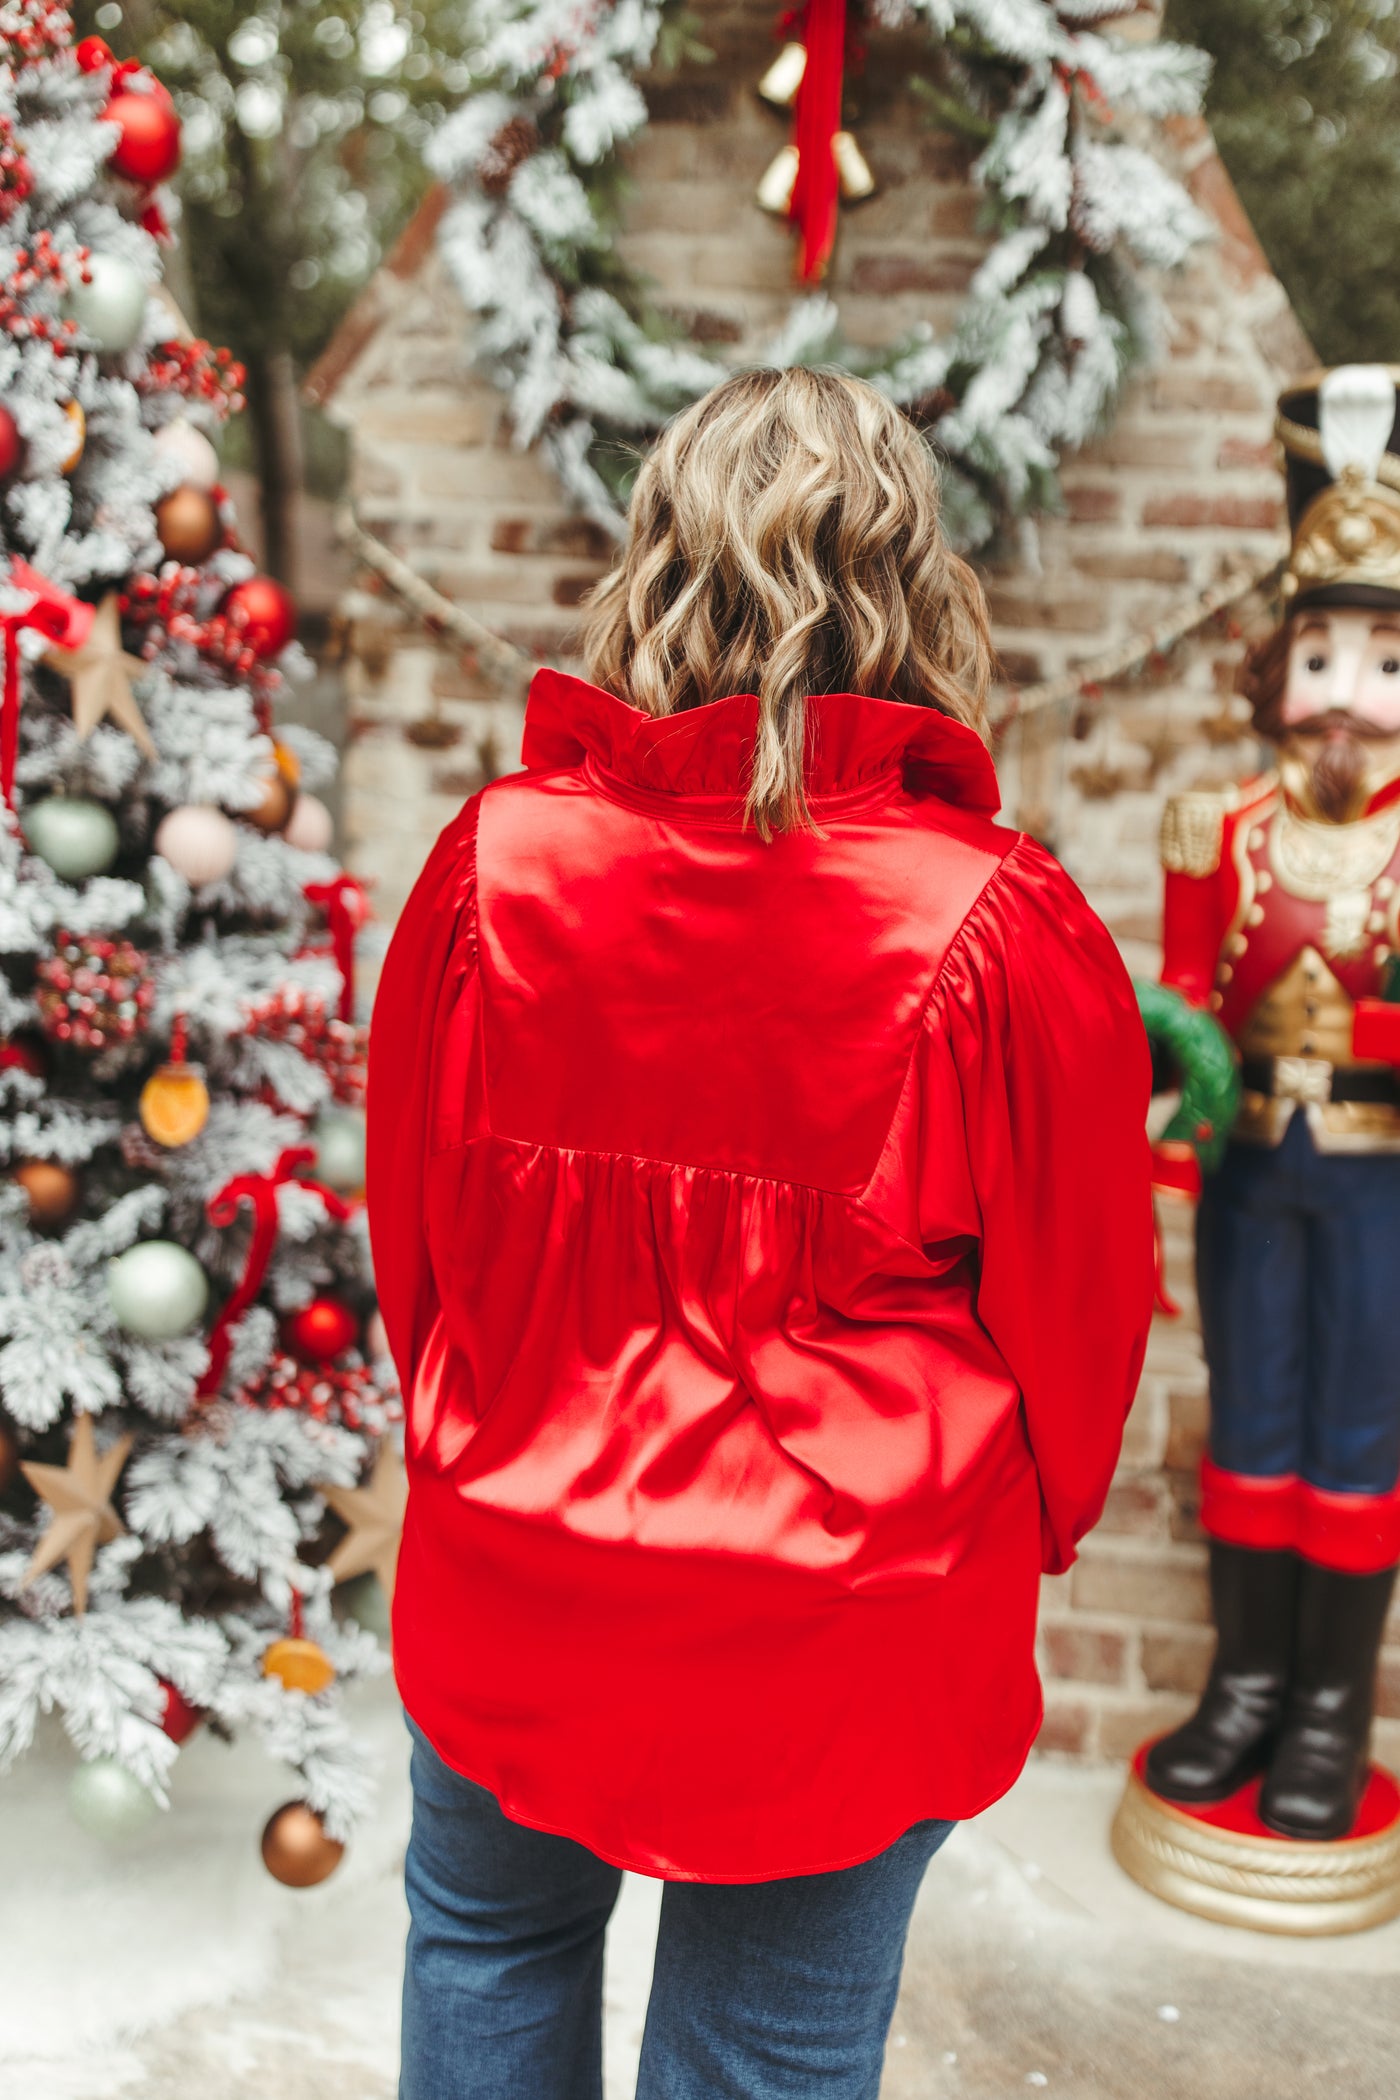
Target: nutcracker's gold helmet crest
(1340, 436)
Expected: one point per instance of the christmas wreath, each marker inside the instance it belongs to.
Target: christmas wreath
(1195, 1055)
(1055, 317)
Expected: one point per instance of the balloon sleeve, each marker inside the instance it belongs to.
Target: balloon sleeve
(429, 968)
(1034, 1031)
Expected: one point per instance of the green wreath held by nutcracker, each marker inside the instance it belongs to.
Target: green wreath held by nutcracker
(1196, 1047)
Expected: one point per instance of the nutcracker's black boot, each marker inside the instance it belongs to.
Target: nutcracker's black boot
(1318, 1772)
(1232, 1732)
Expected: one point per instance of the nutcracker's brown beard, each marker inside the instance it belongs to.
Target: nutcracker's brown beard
(1339, 775)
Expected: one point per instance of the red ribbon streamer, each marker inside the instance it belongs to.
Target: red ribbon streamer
(347, 909)
(51, 613)
(261, 1191)
(814, 193)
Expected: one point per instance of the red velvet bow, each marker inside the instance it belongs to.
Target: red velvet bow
(261, 1191)
(347, 909)
(814, 193)
(50, 612)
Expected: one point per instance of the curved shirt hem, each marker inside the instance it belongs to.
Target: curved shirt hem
(656, 1867)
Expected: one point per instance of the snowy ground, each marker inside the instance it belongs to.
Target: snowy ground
(175, 1967)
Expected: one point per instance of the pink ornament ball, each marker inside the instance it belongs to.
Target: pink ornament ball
(310, 827)
(199, 842)
(190, 452)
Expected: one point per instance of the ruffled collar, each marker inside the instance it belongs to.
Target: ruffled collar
(853, 743)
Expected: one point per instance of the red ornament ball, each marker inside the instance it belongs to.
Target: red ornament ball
(320, 1330)
(179, 1718)
(92, 54)
(11, 444)
(20, 1053)
(262, 614)
(148, 150)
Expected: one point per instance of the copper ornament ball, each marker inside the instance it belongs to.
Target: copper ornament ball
(275, 807)
(187, 521)
(295, 1848)
(52, 1189)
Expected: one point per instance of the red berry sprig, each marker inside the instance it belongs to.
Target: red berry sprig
(33, 29)
(300, 1019)
(94, 991)
(346, 1392)
(198, 372)
(16, 175)
(163, 604)
(34, 267)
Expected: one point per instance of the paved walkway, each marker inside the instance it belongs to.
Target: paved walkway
(175, 1968)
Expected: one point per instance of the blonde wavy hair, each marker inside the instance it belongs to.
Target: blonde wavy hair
(784, 539)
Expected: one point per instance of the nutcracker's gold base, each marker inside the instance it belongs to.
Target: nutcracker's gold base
(1270, 1884)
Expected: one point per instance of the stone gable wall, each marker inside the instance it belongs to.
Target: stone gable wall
(1183, 489)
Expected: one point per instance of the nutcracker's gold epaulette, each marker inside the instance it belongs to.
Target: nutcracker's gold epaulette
(1193, 830)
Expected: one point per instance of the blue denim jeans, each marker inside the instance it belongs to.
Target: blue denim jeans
(1297, 1256)
(760, 1989)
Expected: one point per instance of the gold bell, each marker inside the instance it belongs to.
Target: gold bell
(852, 168)
(780, 83)
(774, 192)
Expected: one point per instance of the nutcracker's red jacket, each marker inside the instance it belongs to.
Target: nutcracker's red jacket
(763, 1232)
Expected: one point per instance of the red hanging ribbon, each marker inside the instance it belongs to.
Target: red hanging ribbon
(347, 908)
(52, 613)
(814, 193)
(261, 1191)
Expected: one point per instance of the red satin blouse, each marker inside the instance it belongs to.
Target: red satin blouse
(763, 1234)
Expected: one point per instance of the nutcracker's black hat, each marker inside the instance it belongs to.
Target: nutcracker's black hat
(1339, 432)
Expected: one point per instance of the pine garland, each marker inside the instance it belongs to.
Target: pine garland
(1056, 316)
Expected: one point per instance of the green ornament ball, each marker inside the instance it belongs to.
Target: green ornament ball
(110, 307)
(107, 1801)
(157, 1289)
(76, 837)
(339, 1138)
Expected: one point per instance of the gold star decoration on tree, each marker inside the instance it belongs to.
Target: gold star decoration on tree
(100, 674)
(80, 1496)
(374, 1514)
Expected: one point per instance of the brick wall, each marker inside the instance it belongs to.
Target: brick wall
(1181, 490)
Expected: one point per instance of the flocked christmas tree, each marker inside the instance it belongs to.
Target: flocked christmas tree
(193, 1408)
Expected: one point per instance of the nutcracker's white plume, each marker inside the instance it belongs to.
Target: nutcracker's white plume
(1355, 416)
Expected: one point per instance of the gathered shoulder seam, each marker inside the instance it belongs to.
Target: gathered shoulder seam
(954, 949)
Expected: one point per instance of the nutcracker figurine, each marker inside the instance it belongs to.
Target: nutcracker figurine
(1283, 920)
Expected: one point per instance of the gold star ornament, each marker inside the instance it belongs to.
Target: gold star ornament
(374, 1514)
(100, 673)
(80, 1496)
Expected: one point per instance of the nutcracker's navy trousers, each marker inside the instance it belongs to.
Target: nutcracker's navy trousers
(1298, 1276)
(769, 1988)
